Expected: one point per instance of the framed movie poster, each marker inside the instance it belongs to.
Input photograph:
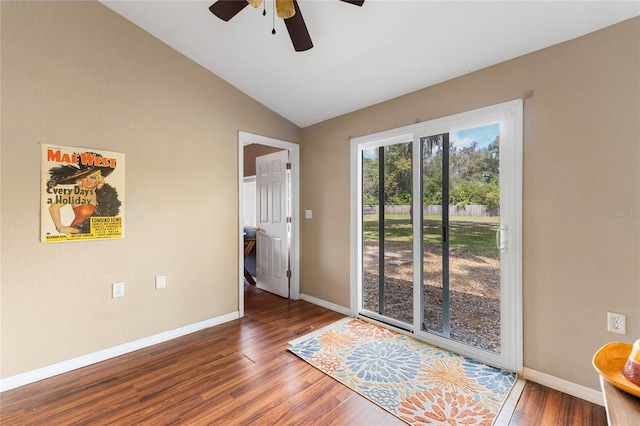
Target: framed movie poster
(82, 194)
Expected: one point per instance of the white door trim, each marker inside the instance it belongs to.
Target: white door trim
(244, 139)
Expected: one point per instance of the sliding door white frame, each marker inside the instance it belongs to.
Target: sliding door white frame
(510, 117)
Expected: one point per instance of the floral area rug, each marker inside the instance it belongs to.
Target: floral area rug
(417, 382)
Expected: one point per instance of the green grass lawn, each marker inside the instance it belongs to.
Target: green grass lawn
(475, 235)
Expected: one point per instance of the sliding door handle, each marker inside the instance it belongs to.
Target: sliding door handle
(501, 240)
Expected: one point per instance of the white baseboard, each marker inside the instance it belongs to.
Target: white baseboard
(82, 361)
(325, 304)
(565, 386)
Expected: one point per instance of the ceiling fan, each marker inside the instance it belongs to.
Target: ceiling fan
(286, 9)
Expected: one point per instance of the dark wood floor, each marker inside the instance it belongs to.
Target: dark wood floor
(235, 373)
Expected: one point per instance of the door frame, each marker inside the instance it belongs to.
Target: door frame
(244, 139)
(511, 114)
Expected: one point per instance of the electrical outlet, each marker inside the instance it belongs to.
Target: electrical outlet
(161, 281)
(117, 290)
(616, 323)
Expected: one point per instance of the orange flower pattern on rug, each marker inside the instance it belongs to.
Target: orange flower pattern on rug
(438, 407)
(365, 329)
(448, 376)
(334, 341)
(417, 382)
(326, 362)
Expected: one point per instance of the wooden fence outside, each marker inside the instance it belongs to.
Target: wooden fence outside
(470, 210)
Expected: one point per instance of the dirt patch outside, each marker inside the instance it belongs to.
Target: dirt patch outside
(474, 291)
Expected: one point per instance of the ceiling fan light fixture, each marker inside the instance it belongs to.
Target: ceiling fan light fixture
(285, 9)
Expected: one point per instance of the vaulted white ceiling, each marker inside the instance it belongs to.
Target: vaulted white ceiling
(363, 55)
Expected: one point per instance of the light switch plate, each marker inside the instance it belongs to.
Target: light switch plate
(161, 281)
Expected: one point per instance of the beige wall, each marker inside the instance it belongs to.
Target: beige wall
(78, 74)
(581, 159)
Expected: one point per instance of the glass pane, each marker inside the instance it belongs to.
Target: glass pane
(474, 218)
(432, 157)
(388, 286)
(398, 229)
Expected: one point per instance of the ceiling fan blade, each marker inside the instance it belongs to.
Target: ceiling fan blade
(227, 9)
(298, 31)
(354, 2)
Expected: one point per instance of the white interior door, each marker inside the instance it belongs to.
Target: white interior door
(272, 239)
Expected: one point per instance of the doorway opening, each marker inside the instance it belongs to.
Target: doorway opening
(259, 202)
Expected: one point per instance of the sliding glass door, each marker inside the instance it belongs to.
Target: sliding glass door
(387, 237)
(436, 240)
(461, 266)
